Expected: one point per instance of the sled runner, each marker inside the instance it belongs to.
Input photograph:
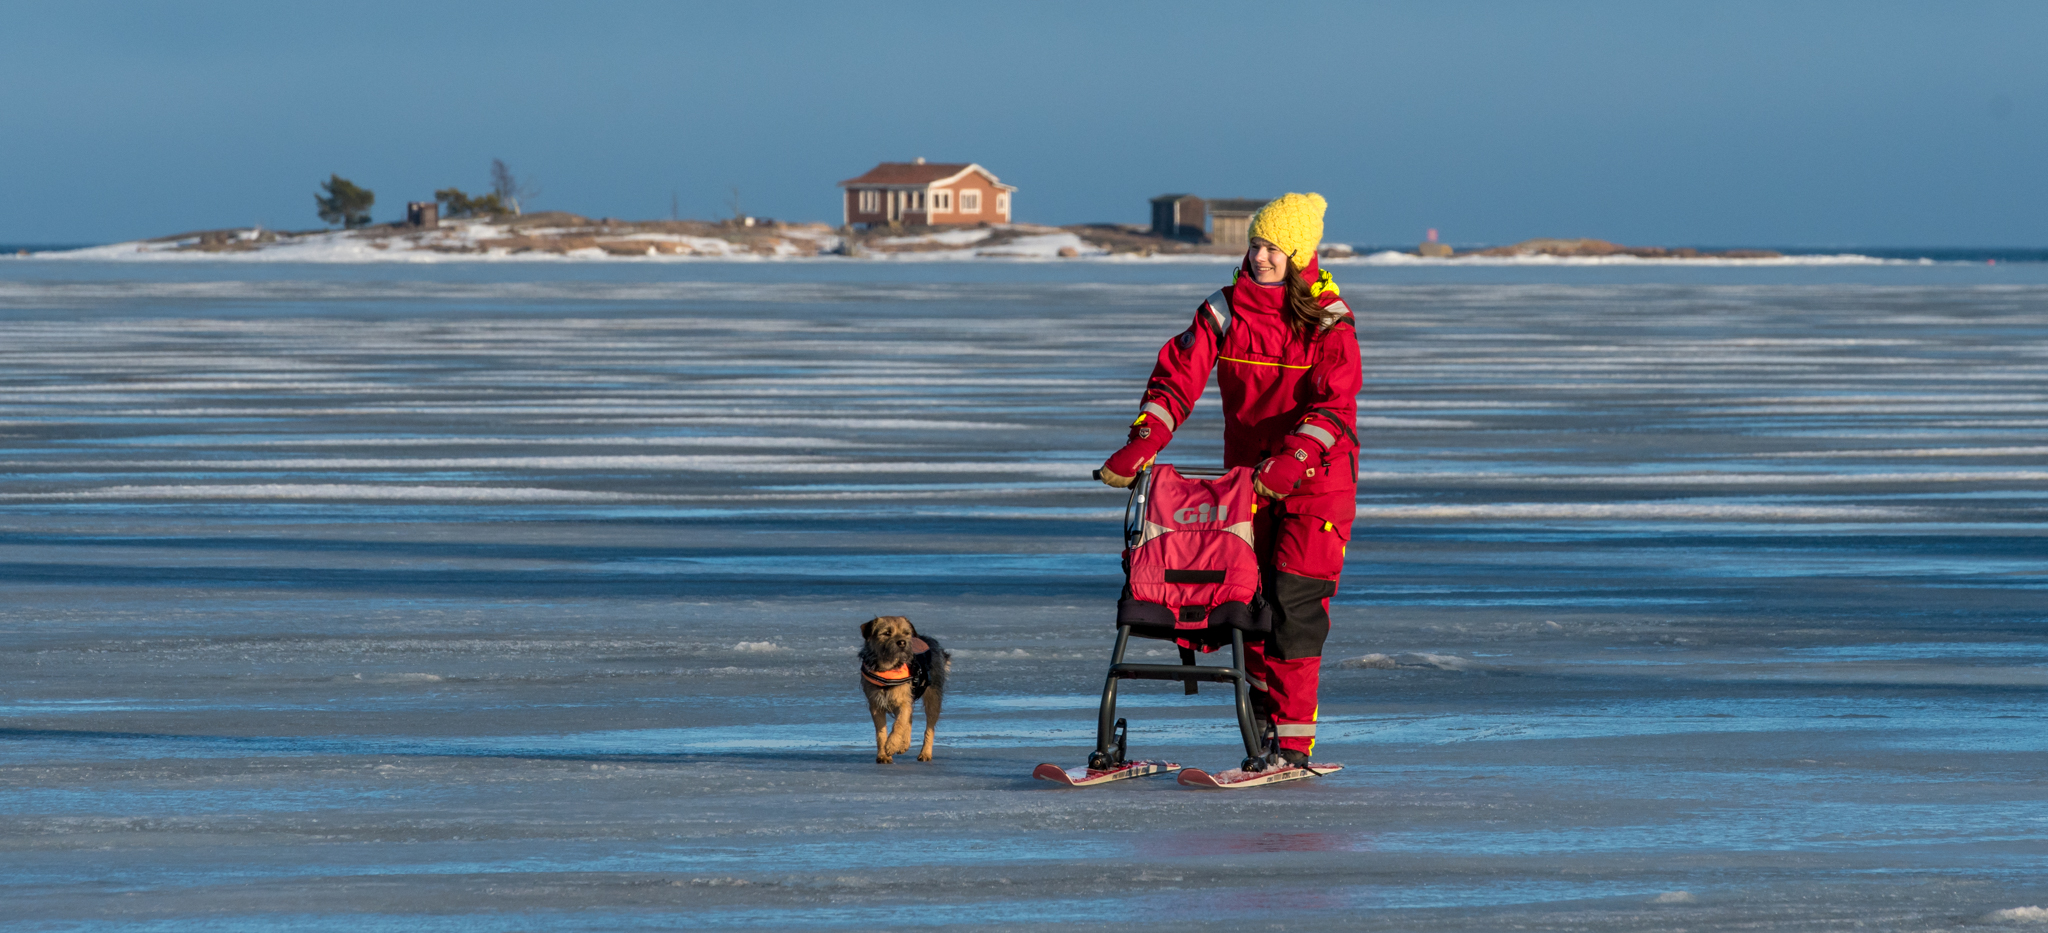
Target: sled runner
(1192, 578)
(1238, 778)
(1089, 777)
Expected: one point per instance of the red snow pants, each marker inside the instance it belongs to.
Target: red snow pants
(1301, 555)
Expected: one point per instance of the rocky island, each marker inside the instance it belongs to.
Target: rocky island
(545, 234)
(559, 234)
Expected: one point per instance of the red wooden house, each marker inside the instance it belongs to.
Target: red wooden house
(926, 193)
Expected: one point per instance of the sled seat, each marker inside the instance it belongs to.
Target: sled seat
(1190, 573)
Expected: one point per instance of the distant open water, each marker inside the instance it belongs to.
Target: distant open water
(1928, 253)
(503, 598)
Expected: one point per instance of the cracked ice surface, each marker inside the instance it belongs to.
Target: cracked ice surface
(484, 599)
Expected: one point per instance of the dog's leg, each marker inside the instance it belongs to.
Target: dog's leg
(931, 724)
(899, 736)
(881, 734)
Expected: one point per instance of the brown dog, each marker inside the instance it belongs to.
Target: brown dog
(898, 666)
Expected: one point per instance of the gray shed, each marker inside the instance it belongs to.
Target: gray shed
(1180, 217)
(1231, 218)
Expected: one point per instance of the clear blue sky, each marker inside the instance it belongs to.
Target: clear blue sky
(1815, 123)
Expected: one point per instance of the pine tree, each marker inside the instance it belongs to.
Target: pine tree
(507, 188)
(455, 203)
(345, 203)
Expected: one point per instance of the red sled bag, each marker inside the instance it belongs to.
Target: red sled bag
(1193, 575)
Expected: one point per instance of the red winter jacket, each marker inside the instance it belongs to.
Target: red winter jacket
(1283, 390)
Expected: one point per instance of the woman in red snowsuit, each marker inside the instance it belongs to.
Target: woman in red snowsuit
(1285, 353)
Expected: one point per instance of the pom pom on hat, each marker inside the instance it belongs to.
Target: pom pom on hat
(1293, 222)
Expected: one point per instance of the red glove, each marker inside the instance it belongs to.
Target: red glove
(1280, 473)
(1147, 439)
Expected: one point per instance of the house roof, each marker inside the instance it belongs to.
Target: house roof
(1236, 205)
(918, 175)
(1172, 197)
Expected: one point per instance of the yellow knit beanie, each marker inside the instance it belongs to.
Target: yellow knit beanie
(1294, 223)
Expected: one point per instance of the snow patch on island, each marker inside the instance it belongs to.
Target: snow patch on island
(945, 238)
(1045, 246)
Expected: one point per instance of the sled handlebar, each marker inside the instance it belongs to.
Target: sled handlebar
(1184, 471)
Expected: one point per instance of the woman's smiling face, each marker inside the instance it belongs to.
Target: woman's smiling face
(1269, 262)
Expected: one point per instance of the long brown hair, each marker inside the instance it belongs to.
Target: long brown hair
(1301, 301)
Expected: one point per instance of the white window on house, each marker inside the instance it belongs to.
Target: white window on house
(1003, 203)
(970, 202)
(870, 201)
(917, 200)
(942, 202)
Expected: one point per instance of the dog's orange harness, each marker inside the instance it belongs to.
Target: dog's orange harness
(894, 677)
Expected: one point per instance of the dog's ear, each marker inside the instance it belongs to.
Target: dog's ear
(867, 629)
(913, 627)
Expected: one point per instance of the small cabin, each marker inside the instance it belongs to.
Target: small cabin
(920, 193)
(425, 214)
(1230, 220)
(1180, 217)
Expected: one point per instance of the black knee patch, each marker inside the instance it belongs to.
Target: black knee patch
(1300, 624)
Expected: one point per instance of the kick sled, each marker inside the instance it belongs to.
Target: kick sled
(1191, 578)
